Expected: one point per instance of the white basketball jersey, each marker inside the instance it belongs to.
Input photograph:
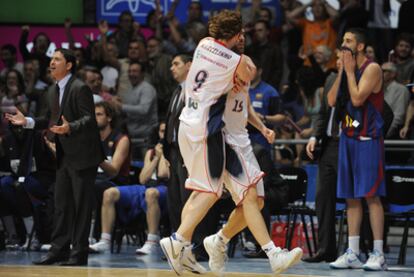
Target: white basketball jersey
(235, 118)
(211, 75)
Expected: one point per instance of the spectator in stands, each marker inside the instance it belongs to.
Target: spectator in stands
(93, 79)
(194, 12)
(41, 44)
(265, 100)
(136, 52)
(14, 97)
(320, 31)
(127, 30)
(320, 59)
(30, 173)
(159, 69)
(268, 54)
(37, 91)
(370, 53)
(128, 202)
(311, 94)
(291, 41)
(114, 170)
(402, 58)
(397, 96)
(139, 105)
(110, 74)
(8, 55)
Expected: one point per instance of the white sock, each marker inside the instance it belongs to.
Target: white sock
(222, 237)
(178, 237)
(378, 245)
(269, 248)
(153, 238)
(106, 237)
(354, 244)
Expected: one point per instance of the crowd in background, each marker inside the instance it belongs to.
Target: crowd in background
(132, 74)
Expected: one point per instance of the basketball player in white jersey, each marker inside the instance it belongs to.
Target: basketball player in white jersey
(243, 179)
(215, 71)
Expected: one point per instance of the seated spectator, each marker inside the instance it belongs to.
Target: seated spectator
(139, 106)
(397, 97)
(128, 202)
(30, 174)
(8, 57)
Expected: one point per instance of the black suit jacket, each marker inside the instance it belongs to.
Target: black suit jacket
(81, 148)
(172, 120)
(322, 120)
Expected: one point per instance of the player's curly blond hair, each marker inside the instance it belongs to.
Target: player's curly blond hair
(225, 25)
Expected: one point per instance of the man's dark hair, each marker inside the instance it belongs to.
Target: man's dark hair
(406, 37)
(184, 57)
(69, 56)
(142, 65)
(9, 47)
(360, 35)
(109, 110)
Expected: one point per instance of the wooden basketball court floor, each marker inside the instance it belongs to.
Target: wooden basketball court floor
(126, 263)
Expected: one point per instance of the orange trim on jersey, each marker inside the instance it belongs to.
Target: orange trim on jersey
(221, 43)
(257, 179)
(199, 190)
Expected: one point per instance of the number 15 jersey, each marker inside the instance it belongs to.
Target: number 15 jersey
(211, 75)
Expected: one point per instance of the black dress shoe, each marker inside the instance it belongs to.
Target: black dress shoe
(75, 261)
(51, 259)
(259, 253)
(319, 257)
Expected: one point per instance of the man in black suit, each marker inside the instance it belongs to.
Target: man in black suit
(71, 123)
(326, 132)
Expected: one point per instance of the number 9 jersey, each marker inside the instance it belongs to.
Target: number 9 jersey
(211, 76)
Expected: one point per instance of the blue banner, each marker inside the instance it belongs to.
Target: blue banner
(110, 9)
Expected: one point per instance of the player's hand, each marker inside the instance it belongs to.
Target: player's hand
(310, 147)
(349, 61)
(269, 135)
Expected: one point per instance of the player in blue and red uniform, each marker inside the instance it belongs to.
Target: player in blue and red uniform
(357, 94)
